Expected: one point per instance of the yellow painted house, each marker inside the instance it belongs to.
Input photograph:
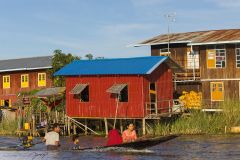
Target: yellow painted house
(20, 75)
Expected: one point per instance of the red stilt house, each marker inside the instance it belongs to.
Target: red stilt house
(138, 87)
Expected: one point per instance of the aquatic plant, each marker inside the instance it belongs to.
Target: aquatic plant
(199, 122)
(8, 127)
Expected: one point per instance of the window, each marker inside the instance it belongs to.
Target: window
(6, 103)
(24, 80)
(217, 91)
(2, 103)
(164, 52)
(41, 79)
(153, 97)
(83, 96)
(192, 59)
(123, 96)
(216, 56)
(152, 86)
(237, 55)
(6, 82)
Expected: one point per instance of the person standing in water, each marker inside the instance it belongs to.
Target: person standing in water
(75, 142)
(52, 138)
(129, 135)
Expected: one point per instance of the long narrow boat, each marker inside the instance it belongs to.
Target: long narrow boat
(138, 145)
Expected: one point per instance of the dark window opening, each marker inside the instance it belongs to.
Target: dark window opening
(123, 96)
(7, 103)
(152, 86)
(84, 95)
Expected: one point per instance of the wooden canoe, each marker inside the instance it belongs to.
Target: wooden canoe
(138, 145)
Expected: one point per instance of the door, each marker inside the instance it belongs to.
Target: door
(211, 58)
(217, 91)
(153, 98)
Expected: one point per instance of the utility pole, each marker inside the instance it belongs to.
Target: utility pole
(170, 18)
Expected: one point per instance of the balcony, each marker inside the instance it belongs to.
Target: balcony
(191, 71)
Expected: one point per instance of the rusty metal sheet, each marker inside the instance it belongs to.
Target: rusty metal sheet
(196, 37)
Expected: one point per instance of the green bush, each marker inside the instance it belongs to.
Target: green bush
(8, 127)
(199, 122)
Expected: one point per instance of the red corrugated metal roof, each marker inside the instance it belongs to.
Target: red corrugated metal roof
(204, 37)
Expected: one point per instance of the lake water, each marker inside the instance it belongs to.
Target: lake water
(181, 148)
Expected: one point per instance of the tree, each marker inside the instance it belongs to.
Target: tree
(89, 56)
(59, 60)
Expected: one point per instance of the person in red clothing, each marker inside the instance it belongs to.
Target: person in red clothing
(129, 135)
(114, 138)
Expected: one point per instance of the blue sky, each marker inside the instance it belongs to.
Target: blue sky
(103, 27)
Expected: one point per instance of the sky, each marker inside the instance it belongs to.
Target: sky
(104, 28)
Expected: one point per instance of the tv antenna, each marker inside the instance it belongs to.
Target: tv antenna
(170, 17)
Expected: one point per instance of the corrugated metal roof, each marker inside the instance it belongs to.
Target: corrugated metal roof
(116, 88)
(50, 92)
(78, 88)
(25, 64)
(139, 65)
(204, 37)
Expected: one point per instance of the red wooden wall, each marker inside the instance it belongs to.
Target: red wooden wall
(101, 104)
(162, 76)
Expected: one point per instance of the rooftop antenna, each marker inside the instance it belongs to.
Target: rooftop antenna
(170, 17)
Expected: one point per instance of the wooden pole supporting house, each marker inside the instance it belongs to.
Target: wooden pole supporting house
(74, 129)
(100, 125)
(56, 115)
(134, 122)
(85, 128)
(106, 126)
(69, 127)
(33, 125)
(121, 126)
(40, 116)
(144, 126)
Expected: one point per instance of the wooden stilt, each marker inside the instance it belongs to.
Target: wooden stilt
(134, 122)
(74, 129)
(69, 129)
(40, 116)
(56, 116)
(86, 129)
(100, 125)
(144, 126)
(33, 125)
(106, 126)
(121, 126)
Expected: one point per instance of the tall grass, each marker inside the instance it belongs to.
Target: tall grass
(8, 127)
(199, 122)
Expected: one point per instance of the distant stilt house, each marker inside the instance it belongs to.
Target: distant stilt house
(137, 88)
(22, 75)
(211, 61)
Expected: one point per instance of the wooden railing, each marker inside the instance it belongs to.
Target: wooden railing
(188, 74)
(162, 108)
